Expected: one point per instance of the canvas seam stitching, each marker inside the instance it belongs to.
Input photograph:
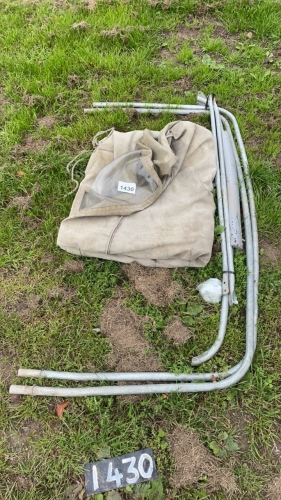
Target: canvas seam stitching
(110, 239)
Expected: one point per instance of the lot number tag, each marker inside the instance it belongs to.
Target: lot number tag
(119, 472)
(127, 187)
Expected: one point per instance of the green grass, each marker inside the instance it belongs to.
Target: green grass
(129, 51)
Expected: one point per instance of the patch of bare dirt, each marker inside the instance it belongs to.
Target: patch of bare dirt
(165, 4)
(72, 266)
(254, 142)
(193, 33)
(73, 81)
(8, 372)
(47, 122)
(19, 442)
(90, 4)
(216, 248)
(56, 3)
(61, 293)
(18, 300)
(166, 55)
(219, 30)
(183, 85)
(83, 25)
(22, 482)
(188, 33)
(270, 252)
(177, 332)
(8, 275)
(193, 461)
(130, 350)
(48, 259)
(155, 284)
(122, 33)
(75, 492)
(22, 202)
(238, 422)
(25, 305)
(274, 488)
(35, 145)
(30, 223)
(117, 32)
(30, 145)
(32, 100)
(3, 102)
(276, 450)
(124, 329)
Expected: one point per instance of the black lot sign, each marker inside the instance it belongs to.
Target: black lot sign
(119, 472)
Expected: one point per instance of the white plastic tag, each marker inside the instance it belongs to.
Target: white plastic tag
(127, 187)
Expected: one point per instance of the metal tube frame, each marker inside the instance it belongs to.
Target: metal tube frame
(221, 121)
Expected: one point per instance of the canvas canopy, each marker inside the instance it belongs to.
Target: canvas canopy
(146, 197)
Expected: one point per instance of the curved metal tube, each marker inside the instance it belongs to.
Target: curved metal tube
(138, 389)
(206, 355)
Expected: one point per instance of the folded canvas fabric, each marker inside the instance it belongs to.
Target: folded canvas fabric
(146, 197)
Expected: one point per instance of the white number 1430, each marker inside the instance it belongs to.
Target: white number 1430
(134, 472)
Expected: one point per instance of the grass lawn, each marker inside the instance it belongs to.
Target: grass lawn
(57, 57)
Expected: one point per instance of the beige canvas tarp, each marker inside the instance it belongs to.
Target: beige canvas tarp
(146, 197)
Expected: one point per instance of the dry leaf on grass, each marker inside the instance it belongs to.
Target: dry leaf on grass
(60, 407)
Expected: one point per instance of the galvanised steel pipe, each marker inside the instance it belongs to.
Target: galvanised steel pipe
(125, 376)
(143, 105)
(139, 389)
(178, 111)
